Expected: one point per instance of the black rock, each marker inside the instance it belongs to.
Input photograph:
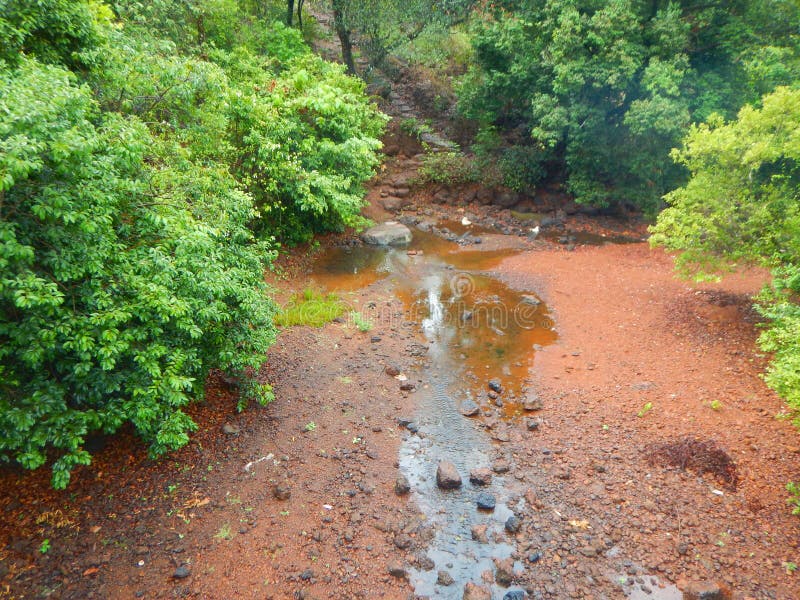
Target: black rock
(534, 557)
(513, 524)
(469, 408)
(307, 575)
(182, 572)
(495, 385)
(412, 427)
(485, 501)
(515, 595)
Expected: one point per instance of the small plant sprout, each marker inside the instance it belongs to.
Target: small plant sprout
(310, 426)
(715, 405)
(45, 546)
(645, 409)
(790, 567)
(794, 499)
(224, 532)
(362, 323)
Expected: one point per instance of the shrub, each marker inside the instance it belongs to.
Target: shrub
(127, 273)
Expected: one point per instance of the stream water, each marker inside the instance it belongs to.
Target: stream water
(477, 328)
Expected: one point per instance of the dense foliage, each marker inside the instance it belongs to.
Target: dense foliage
(742, 204)
(149, 155)
(597, 93)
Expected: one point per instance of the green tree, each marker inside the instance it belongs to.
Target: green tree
(742, 205)
(603, 90)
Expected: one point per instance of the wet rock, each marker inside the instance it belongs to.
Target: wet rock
(230, 429)
(479, 533)
(402, 541)
(390, 233)
(495, 385)
(393, 203)
(501, 465)
(532, 403)
(425, 562)
(513, 524)
(504, 571)
(444, 578)
(282, 492)
(481, 476)
(515, 595)
(447, 476)
(401, 192)
(704, 590)
(485, 501)
(506, 199)
(473, 591)
(469, 408)
(396, 569)
(404, 421)
(182, 572)
(401, 485)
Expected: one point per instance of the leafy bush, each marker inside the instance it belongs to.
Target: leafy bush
(449, 168)
(742, 204)
(119, 290)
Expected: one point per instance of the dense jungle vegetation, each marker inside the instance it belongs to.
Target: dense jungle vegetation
(153, 156)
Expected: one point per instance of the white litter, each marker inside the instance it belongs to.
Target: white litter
(252, 463)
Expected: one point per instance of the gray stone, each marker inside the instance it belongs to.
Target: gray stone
(282, 492)
(390, 233)
(485, 501)
(514, 595)
(532, 402)
(393, 204)
(444, 578)
(182, 572)
(447, 476)
(495, 385)
(401, 485)
(513, 524)
(469, 408)
(396, 569)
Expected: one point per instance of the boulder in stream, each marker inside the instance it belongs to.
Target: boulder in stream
(390, 233)
(447, 476)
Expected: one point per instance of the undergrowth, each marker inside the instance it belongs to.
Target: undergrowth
(310, 308)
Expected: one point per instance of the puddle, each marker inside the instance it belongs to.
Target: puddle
(477, 328)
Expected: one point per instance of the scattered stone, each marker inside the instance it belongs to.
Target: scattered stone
(230, 429)
(407, 386)
(404, 421)
(444, 578)
(425, 562)
(375, 339)
(447, 476)
(534, 557)
(504, 571)
(393, 204)
(485, 501)
(412, 427)
(515, 595)
(683, 548)
(473, 591)
(532, 403)
(307, 575)
(402, 541)
(513, 524)
(532, 424)
(390, 233)
(564, 473)
(282, 492)
(495, 385)
(401, 485)
(479, 533)
(703, 590)
(396, 569)
(501, 465)
(392, 370)
(481, 476)
(182, 572)
(469, 408)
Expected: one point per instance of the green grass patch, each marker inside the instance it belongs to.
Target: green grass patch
(310, 308)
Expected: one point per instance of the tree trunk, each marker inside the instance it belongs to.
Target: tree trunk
(289, 12)
(343, 34)
(300, 14)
